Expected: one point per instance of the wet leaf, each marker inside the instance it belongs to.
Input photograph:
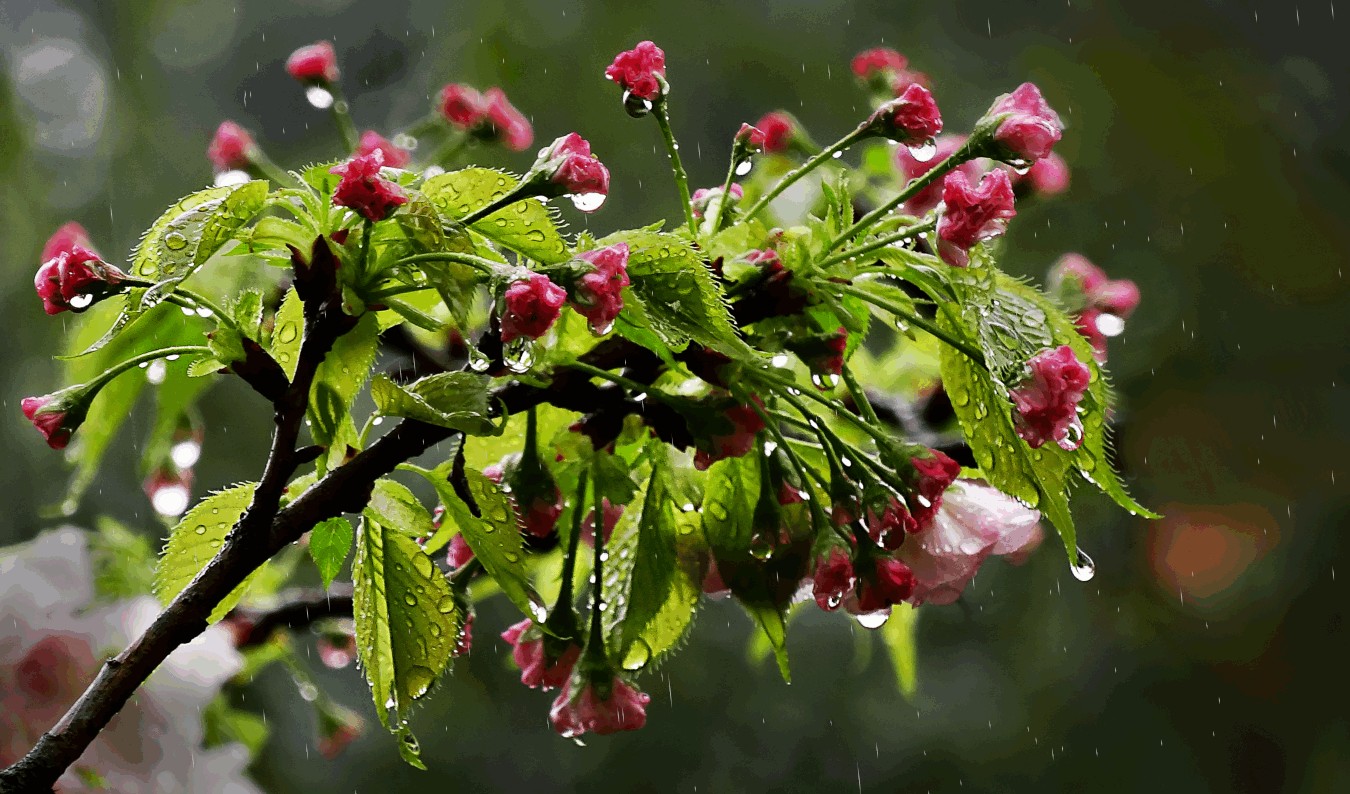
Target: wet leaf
(196, 540)
(457, 400)
(528, 227)
(329, 544)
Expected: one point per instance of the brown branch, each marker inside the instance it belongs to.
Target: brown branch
(295, 609)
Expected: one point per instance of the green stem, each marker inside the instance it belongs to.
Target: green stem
(366, 227)
(913, 319)
(880, 242)
(265, 168)
(859, 396)
(910, 190)
(595, 645)
(392, 292)
(817, 512)
(476, 262)
(342, 115)
(662, 113)
(631, 385)
(144, 358)
(425, 125)
(715, 222)
(805, 168)
(562, 619)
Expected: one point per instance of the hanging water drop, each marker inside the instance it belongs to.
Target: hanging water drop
(156, 371)
(518, 354)
(477, 361)
(1110, 325)
(743, 167)
(873, 620)
(319, 97)
(923, 152)
(185, 453)
(231, 177)
(1083, 568)
(587, 202)
(170, 500)
(81, 301)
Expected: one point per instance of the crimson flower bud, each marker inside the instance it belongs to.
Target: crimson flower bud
(889, 524)
(745, 426)
(314, 63)
(890, 583)
(610, 707)
(611, 513)
(338, 727)
(779, 129)
(934, 474)
(1103, 303)
(538, 668)
(972, 214)
(1048, 176)
(598, 295)
(704, 196)
(458, 554)
(910, 167)
(74, 278)
(750, 139)
(70, 236)
(1046, 401)
(641, 73)
(504, 124)
(58, 415)
(569, 169)
(364, 191)
(232, 148)
(833, 580)
(1026, 127)
(462, 105)
(372, 141)
(531, 307)
(912, 118)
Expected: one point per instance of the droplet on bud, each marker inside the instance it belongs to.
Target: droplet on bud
(587, 202)
(81, 301)
(232, 177)
(477, 361)
(923, 152)
(319, 97)
(636, 106)
(186, 453)
(170, 500)
(1110, 325)
(873, 620)
(518, 354)
(743, 167)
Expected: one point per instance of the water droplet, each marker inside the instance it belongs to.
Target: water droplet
(923, 152)
(232, 177)
(1083, 568)
(636, 106)
(419, 680)
(477, 361)
(185, 454)
(410, 599)
(780, 360)
(825, 381)
(170, 500)
(537, 609)
(423, 564)
(587, 202)
(446, 605)
(81, 301)
(175, 241)
(319, 97)
(156, 371)
(743, 167)
(838, 154)
(518, 354)
(873, 620)
(1110, 325)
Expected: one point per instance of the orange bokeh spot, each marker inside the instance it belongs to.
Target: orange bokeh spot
(1200, 551)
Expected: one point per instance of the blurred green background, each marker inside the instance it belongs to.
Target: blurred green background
(1209, 153)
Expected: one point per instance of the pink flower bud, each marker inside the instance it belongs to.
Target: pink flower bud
(337, 649)
(1074, 275)
(890, 583)
(972, 214)
(612, 514)
(537, 668)
(364, 191)
(66, 239)
(531, 307)
(73, 279)
(1046, 401)
(1029, 127)
(338, 728)
(462, 105)
(1048, 176)
(572, 169)
(541, 515)
(889, 527)
(833, 580)
(464, 642)
(315, 63)
(703, 197)
(623, 708)
(975, 522)
(1088, 323)
(495, 472)
(459, 553)
(870, 64)
(231, 148)
(779, 129)
(505, 124)
(1100, 300)
(1118, 296)
(598, 295)
(750, 139)
(372, 141)
(911, 119)
(933, 476)
(639, 71)
(48, 415)
(745, 426)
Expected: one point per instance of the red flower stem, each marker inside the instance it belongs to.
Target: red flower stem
(662, 113)
(802, 170)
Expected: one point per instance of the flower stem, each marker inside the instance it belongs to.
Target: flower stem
(144, 358)
(450, 149)
(910, 191)
(859, 396)
(562, 619)
(715, 222)
(342, 115)
(662, 113)
(620, 380)
(518, 193)
(366, 227)
(880, 242)
(805, 168)
(817, 512)
(265, 168)
(595, 645)
(477, 262)
(913, 319)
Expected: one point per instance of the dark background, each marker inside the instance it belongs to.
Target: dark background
(1209, 155)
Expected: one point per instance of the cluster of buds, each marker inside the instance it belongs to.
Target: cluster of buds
(487, 116)
(1100, 304)
(1046, 401)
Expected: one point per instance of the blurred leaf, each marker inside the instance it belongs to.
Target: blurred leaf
(329, 544)
(898, 635)
(728, 505)
(457, 400)
(528, 227)
(224, 724)
(123, 561)
(407, 623)
(196, 540)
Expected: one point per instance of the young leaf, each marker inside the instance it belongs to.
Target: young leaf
(494, 538)
(288, 331)
(190, 232)
(527, 227)
(394, 506)
(680, 299)
(329, 544)
(457, 400)
(340, 377)
(729, 504)
(407, 624)
(196, 540)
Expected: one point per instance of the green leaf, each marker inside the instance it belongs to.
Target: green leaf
(677, 293)
(898, 635)
(773, 623)
(340, 378)
(394, 506)
(288, 331)
(494, 537)
(457, 400)
(247, 310)
(729, 506)
(407, 624)
(528, 227)
(196, 540)
(224, 724)
(274, 234)
(329, 544)
(189, 233)
(123, 561)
